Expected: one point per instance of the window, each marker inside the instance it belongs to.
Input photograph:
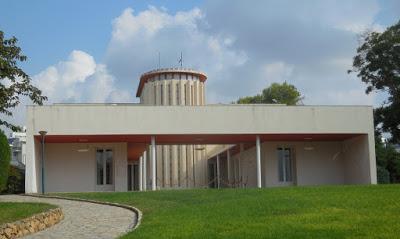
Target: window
(155, 95)
(109, 166)
(169, 94)
(104, 166)
(285, 164)
(177, 94)
(162, 94)
(184, 97)
(192, 95)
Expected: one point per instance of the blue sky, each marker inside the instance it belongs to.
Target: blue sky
(95, 51)
(49, 30)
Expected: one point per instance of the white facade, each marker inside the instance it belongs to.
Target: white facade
(87, 145)
(18, 148)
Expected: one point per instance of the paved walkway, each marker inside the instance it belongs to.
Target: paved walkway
(82, 219)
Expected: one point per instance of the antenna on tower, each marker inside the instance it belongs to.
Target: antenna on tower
(180, 60)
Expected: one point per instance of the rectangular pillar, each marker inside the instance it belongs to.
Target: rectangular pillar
(141, 173)
(258, 161)
(153, 163)
(218, 173)
(228, 165)
(144, 178)
(241, 149)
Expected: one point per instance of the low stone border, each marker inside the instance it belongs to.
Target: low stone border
(135, 224)
(35, 223)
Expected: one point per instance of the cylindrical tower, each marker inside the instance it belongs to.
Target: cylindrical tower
(172, 86)
(178, 166)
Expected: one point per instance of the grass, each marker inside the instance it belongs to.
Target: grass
(13, 211)
(294, 212)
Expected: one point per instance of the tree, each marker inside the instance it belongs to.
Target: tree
(5, 157)
(377, 63)
(275, 94)
(387, 162)
(14, 82)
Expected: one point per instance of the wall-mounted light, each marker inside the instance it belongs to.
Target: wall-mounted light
(83, 150)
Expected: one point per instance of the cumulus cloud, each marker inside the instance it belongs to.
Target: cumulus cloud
(308, 43)
(137, 39)
(78, 79)
(277, 72)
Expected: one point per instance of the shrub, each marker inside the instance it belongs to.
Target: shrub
(5, 158)
(383, 175)
(16, 180)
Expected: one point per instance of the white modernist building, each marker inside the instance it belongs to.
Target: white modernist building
(172, 139)
(17, 142)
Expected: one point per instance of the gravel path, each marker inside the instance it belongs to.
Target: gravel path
(82, 219)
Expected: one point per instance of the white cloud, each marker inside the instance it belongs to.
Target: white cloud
(147, 23)
(137, 39)
(353, 96)
(59, 82)
(277, 72)
(78, 79)
(355, 16)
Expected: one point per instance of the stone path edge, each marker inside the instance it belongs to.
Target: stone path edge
(32, 224)
(132, 227)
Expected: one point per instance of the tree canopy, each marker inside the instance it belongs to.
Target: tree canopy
(377, 63)
(5, 158)
(275, 94)
(14, 82)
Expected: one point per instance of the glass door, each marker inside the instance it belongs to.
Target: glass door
(104, 169)
(285, 166)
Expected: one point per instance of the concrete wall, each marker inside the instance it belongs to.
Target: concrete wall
(68, 170)
(356, 152)
(139, 119)
(316, 163)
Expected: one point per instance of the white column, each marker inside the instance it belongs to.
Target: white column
(218, 174)
(153, 163)
(144, 180)
(258, 160)
(241, 147)
(234, 172)
(228, 165)
(141, 173)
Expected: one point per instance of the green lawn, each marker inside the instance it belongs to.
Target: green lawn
(13, 211)
(293, 212)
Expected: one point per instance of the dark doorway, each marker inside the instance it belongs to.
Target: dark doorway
(212, 179)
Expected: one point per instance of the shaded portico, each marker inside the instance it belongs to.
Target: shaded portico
(138, 146)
